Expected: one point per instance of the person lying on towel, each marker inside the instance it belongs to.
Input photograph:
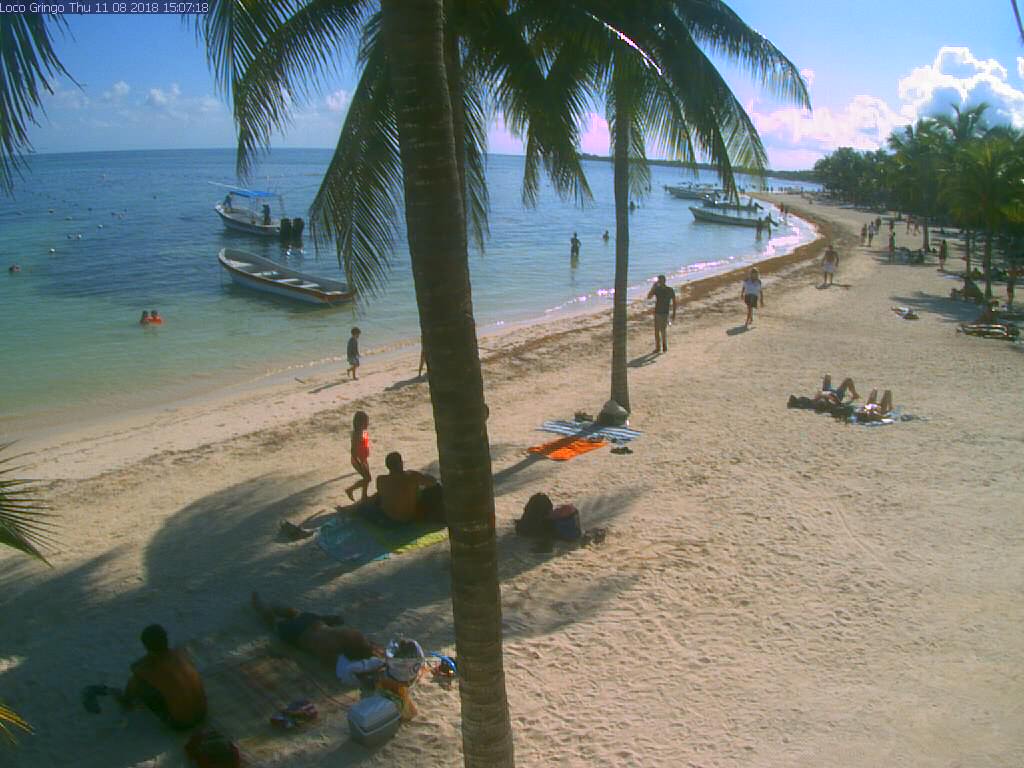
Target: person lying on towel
(321, 636)
(875, 409)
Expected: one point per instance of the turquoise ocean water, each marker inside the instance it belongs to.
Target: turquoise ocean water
(69, 336)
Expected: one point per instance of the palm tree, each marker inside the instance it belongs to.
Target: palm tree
(24, 526)
(1016, 16)
(28, 64)
(406, 79)
(985, 189)
(658, 84)
(436, 224)
(918, 152)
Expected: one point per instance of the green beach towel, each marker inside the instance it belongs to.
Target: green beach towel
(350, 539)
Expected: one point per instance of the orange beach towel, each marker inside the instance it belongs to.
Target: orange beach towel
(565, 448)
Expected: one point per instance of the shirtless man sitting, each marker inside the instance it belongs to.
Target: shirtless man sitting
(399, 491)
(321, 636)
(165, 681)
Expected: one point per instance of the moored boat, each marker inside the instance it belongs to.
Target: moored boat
(248, 210)
(260, 274)
(725, 205)
(691, 192)
(710, 216)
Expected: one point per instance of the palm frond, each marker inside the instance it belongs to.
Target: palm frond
(475, 138)
(1016, 16)
(25, 525)
(542, 91)
(28, 65)
(718, 29)
(270, 56)
(9, 719)
(358, 202)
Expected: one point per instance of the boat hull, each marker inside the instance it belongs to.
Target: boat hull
(258, 274)
(241, 222)
(686, 194)
(701, 214)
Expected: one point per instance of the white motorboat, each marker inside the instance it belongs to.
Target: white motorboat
(248, 210)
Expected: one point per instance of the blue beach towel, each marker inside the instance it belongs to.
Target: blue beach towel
(590, 429)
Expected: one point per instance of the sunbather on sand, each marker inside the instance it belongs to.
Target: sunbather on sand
(873, 409)
(835, 395)
(990, 330)
(322, 636)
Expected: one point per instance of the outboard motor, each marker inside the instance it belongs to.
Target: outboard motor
(297, 226)
(286, 230)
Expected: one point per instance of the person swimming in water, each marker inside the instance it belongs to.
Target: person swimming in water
(144, 320)
(154, 317)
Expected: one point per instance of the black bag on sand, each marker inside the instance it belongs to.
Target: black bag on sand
(536, 522)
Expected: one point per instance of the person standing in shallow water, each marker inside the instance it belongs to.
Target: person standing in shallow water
(664, 296)
(574, 247)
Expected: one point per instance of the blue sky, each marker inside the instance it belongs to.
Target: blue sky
(871, 66)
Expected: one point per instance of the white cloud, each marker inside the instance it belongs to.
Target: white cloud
(596, 139)
(865, 123)
(70, 98)
(795, 137)
(160, 98)
(117, 91)
(338, 101)
(956, 77)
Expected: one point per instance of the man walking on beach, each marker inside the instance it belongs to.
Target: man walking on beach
(663, 296)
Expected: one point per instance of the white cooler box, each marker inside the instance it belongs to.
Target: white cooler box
(373, 720)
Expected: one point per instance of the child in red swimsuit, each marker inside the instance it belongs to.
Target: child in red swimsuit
(360, 451)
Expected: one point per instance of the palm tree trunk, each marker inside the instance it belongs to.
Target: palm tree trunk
(927, 246)
(620, 379)
(967, 254)
(436, 227)
(987, 264)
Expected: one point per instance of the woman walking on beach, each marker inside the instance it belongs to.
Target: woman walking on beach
(360, 453)
(828, 265)
(751, 293)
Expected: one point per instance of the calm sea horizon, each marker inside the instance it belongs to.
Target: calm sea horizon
(136, 230)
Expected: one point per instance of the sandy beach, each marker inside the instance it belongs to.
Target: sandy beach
(777, 588)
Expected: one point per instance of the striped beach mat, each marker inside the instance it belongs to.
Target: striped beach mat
(590, 429)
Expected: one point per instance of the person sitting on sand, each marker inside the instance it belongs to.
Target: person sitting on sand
(166, 682)
(988, 314)
(321, 636)
(835, 395)
(404, 495)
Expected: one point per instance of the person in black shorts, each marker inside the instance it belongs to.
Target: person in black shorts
(664, 297)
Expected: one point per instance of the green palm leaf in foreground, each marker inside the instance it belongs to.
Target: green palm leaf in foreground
(24, 523)
(9, 720)
(28, 63)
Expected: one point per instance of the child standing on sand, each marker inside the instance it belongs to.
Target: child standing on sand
(353, 353)
(360, 453)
